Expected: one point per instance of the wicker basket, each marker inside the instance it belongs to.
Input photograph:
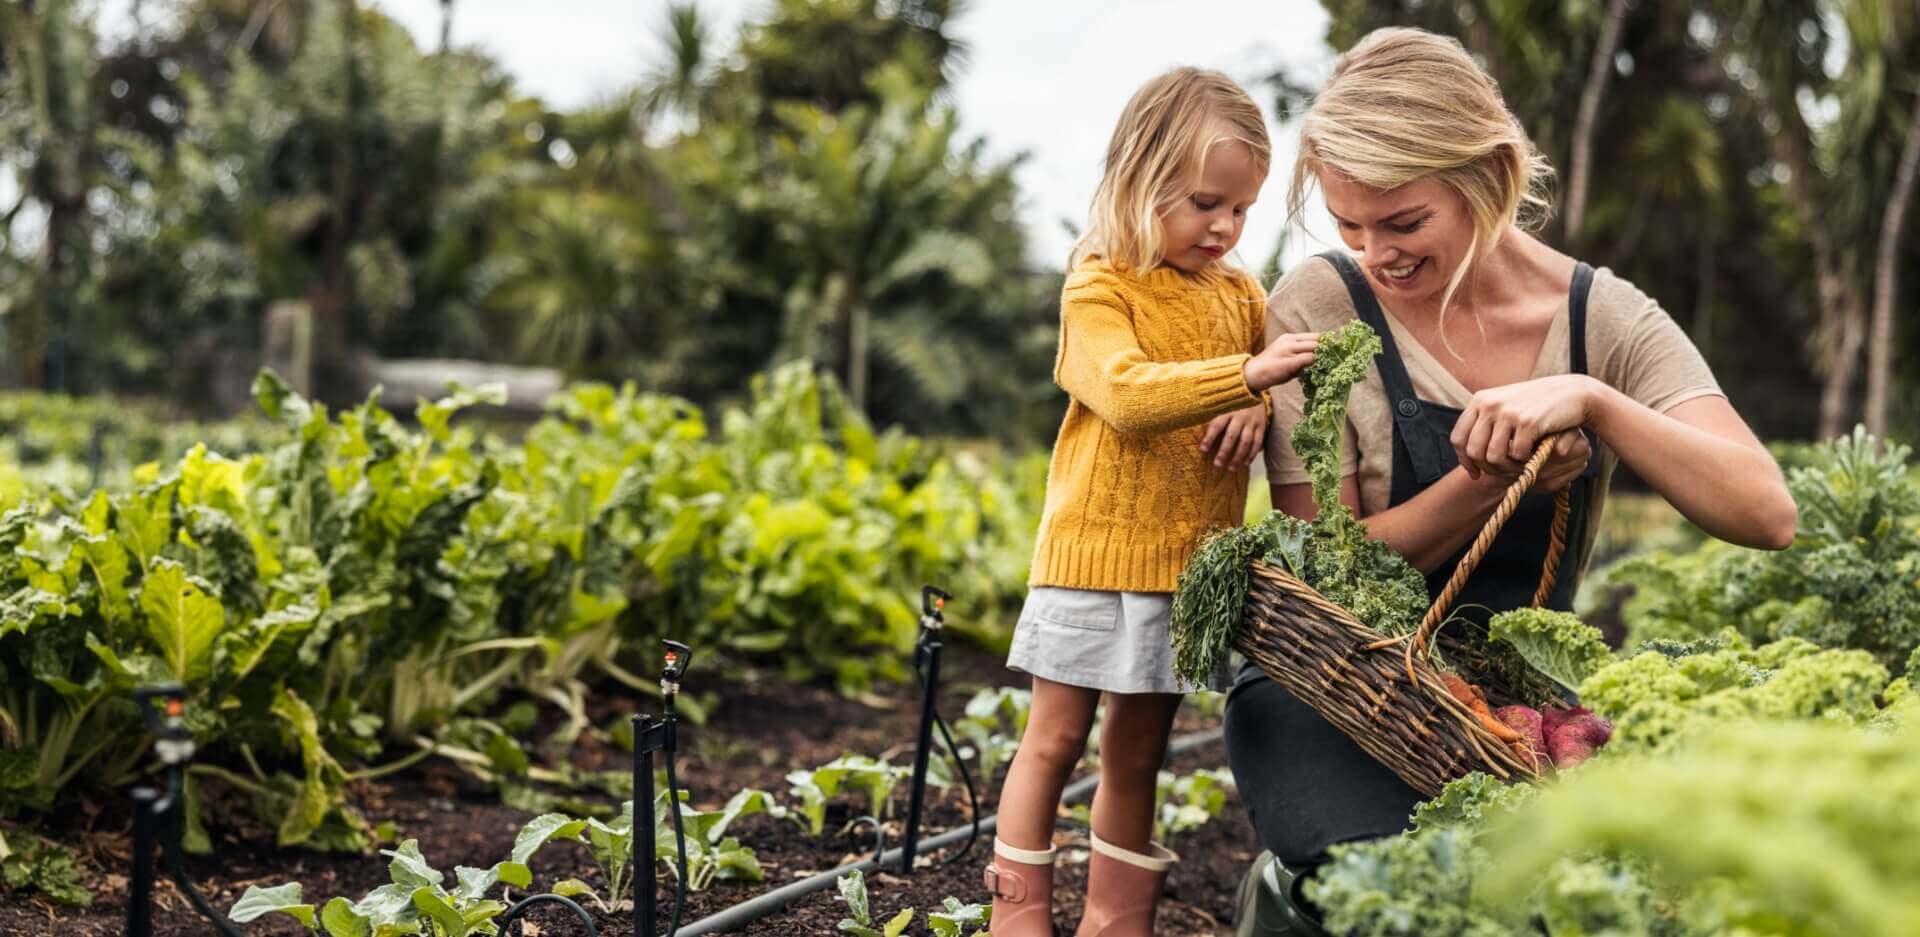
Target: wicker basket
(1382, 692)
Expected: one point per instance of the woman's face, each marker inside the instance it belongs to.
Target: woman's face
(1201, 228)
(1409, 239)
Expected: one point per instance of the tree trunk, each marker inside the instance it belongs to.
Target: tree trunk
(1706, 274)
(446, 26)
(1886, 279)
(1842, 308)
(1843, 361)
(857, 323)
(1599, 70)
(58, 181)
(333, 295)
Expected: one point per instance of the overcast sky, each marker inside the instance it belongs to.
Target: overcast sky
(1043, 77)
(1046, 78)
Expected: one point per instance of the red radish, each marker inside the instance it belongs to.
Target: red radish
(1533, 738)
(1573, 735)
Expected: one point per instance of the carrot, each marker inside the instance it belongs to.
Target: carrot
(1476, 703)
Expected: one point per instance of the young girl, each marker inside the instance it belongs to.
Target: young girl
(1158, 337)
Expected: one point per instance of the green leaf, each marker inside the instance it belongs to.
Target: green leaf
(450, 921)
(573, 888)
(853, 890)
(900, 923)
(544, 829)
(181, 618)
(409, 869)
(1557, 644)
(284, 899)
(341, 920)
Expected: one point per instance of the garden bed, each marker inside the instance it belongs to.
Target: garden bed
(758, 732)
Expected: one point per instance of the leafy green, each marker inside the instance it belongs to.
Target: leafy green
(1760, 826)
(1653, 699)
(34, 864)
(1557, 644)
(1851, 579)
(860, 922)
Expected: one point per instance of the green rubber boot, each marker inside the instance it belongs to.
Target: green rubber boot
(1270, 904)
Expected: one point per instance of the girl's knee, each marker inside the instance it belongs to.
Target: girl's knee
(1055, 752)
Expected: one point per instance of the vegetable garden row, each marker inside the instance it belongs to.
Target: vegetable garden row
(379, 624)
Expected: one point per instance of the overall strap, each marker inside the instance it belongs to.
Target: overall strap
(1411, 426)
(1577, 317)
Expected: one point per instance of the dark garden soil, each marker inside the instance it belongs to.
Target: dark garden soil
(757, 732)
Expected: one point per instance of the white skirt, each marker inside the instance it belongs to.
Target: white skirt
(1113, 641)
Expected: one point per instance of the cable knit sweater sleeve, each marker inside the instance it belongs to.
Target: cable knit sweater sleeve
(1102, 365)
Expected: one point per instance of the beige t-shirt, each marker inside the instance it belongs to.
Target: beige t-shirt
(1632, 346)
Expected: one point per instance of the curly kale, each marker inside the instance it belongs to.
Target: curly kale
(1332, 553)
(1557, 644)
(1851, 579)
(1654, 699)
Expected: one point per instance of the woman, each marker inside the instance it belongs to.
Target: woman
(1493, 341)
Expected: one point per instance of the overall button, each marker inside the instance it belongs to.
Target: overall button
(1408, 407)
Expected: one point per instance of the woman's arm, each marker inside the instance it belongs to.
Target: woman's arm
(1427, 529)
(1699, 454)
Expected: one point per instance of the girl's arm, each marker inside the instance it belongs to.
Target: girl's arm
(1101, 365)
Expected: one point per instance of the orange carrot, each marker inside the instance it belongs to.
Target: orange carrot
(1476, 703)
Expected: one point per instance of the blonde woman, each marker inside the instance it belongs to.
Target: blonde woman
(1493, 340)
(1162, 357)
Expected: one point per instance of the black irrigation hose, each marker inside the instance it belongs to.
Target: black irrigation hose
(973, 799)
(753, 909)
(966, 777)
(511, 918)
(177, 861)
(680, 885)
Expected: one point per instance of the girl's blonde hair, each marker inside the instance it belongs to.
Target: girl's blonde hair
(1155, 157)
(1405, 104)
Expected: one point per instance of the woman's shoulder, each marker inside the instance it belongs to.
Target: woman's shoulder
(1311, 297)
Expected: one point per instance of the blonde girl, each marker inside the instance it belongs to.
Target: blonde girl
(1162, 356)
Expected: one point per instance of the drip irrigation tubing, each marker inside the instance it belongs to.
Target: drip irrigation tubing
(777, 900)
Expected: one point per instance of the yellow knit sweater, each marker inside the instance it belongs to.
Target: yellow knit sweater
(1147, 360)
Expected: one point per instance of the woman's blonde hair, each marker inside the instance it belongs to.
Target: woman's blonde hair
(1155, 157)
(1405, 104)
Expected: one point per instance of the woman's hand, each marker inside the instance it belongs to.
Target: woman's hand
(1501, 426)
(1233, 439)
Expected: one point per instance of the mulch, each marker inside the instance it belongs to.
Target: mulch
(760, 729)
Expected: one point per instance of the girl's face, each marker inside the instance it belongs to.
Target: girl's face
(1409, 239)
(1201, 228)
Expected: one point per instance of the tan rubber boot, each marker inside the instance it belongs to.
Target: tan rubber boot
(1123, 890)
(1021, 883)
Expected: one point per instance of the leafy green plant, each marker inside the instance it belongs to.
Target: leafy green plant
(859, 921)
(1556, 644)
(957, 919)
(1848, 581)
(994, 721)
(1332, 553)
(1654, 699)
(1188, 802)
(33, 864)
(415, 901)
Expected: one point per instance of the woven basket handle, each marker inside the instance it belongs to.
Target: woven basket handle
(1556, 543)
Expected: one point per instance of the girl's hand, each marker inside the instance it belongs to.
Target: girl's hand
(1501, 425)
(1233, 439)
(1282, 360)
